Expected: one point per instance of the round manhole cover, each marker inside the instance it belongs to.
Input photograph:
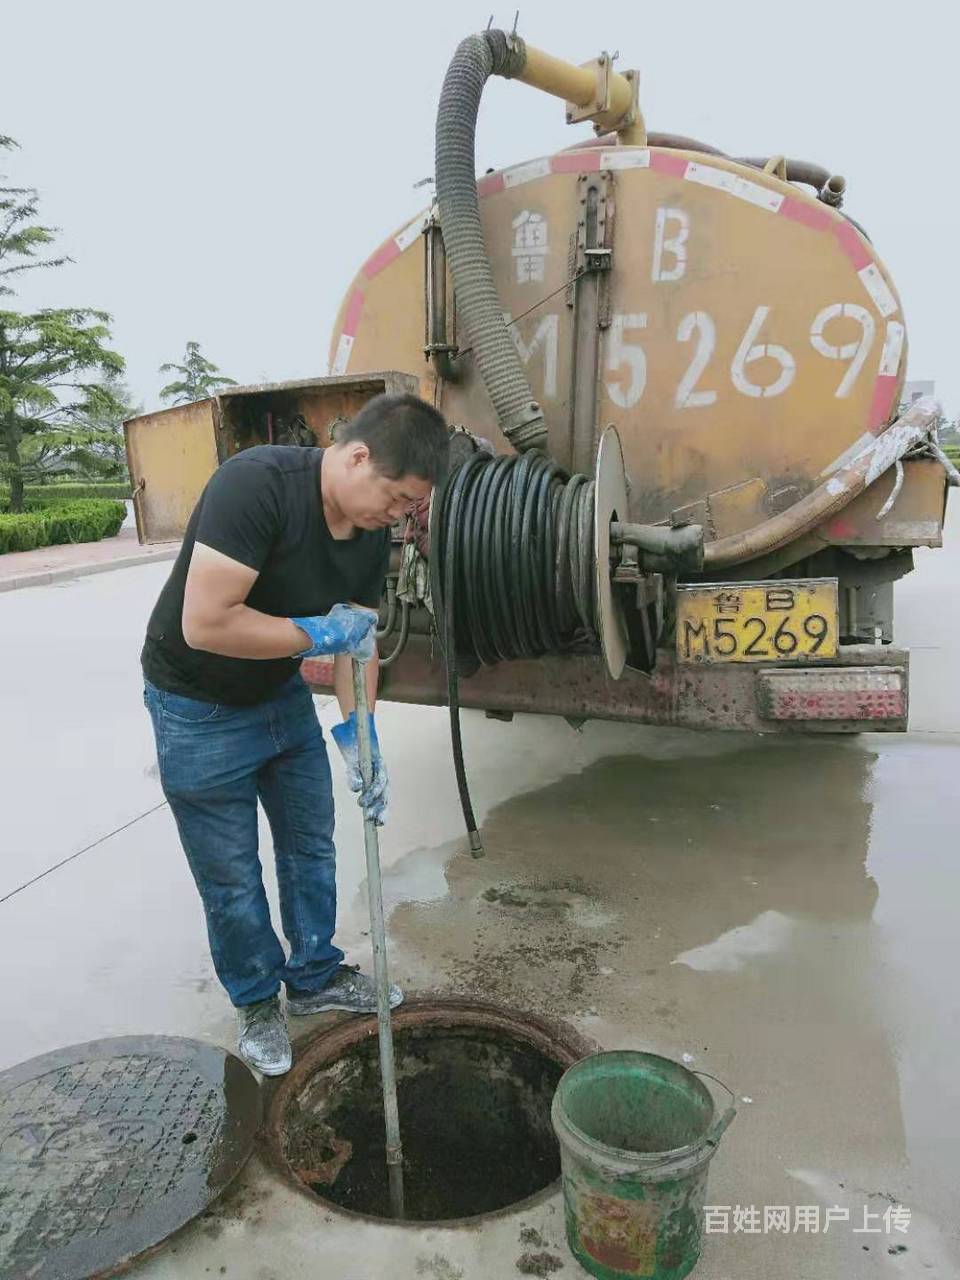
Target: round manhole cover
(108, 1147)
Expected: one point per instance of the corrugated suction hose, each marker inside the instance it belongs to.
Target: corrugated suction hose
(478, 306)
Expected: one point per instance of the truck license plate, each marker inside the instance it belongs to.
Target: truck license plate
(776, 621)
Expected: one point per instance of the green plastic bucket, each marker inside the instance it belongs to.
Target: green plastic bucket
(636, 1133)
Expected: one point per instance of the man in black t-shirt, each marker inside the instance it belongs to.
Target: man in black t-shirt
(284, 557)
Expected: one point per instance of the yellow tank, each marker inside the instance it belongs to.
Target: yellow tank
(749, 335)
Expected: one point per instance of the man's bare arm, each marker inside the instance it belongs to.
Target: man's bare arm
(343, 682)
(217, 619)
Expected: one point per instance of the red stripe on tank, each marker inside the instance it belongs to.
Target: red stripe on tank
(665, 162)
(575, 161)
(806, 214)
(352, 318)
(490, 184)
(884, 390)
(387, 252)
(852, 244)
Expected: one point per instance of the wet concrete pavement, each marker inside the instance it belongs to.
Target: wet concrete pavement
(782, 912)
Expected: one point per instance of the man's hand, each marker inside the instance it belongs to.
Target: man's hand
(347, 628)
(372, 799)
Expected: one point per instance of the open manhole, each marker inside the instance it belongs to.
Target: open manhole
(474, 1087)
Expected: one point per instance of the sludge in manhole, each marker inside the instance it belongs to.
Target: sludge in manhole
(474, 1094)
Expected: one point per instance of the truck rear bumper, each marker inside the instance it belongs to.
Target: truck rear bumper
(864, 688)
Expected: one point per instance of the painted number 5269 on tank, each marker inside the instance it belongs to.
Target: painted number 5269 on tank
(777, 621)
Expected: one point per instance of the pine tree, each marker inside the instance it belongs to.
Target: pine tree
(55, 366)
(199, 378)
(95, 446)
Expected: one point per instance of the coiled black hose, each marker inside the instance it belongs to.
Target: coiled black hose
(512, 573)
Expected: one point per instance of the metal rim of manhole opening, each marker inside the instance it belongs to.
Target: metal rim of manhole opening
(108, 1147)
(481, 1059)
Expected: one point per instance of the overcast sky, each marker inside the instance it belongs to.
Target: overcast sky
(220, 171)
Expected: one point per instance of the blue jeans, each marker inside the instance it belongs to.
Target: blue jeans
(215, 761)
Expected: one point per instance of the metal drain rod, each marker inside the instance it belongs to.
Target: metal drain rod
(388, 1074)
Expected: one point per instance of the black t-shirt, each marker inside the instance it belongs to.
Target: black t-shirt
(263, 508)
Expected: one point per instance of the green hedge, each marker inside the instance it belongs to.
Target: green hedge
(46, 495)
(84, 520)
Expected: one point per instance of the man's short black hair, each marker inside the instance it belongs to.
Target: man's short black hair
(405, 436)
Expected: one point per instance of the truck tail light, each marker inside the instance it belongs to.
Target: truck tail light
(833, 693)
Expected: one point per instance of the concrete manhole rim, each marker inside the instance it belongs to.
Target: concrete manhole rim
(556, 1040)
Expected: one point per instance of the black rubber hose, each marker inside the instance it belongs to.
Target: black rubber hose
(517, 537)
(802, 171)
(446, 574)
(680, 142)
(382, 633)
(389, 659)
(511, 566)
(478, 306)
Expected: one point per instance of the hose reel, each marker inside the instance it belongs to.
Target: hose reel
(526, 561)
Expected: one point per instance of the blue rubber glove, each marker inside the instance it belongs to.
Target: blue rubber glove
(372, 799)
(345, 629)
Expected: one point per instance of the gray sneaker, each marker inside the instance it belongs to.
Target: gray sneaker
(262, 1037)
(349, 990)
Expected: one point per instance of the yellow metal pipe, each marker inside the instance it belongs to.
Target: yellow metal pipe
(562, 79)
(635, 134)
(575, 84)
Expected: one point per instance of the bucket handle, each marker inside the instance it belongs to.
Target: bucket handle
(716, 1130)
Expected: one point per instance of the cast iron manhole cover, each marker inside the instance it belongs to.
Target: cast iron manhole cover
(108, 1147)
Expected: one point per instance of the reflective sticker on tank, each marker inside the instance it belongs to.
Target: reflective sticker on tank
(405, 238)
(892, 349)
(342, 358)
(878, 289)
(522, 173)
(625, 158)
(742, 188)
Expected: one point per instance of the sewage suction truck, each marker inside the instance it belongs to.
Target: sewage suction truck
(693, 362)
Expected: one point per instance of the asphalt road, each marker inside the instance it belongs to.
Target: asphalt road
(781, 911)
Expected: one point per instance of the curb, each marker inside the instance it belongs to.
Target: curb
(46, 576)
